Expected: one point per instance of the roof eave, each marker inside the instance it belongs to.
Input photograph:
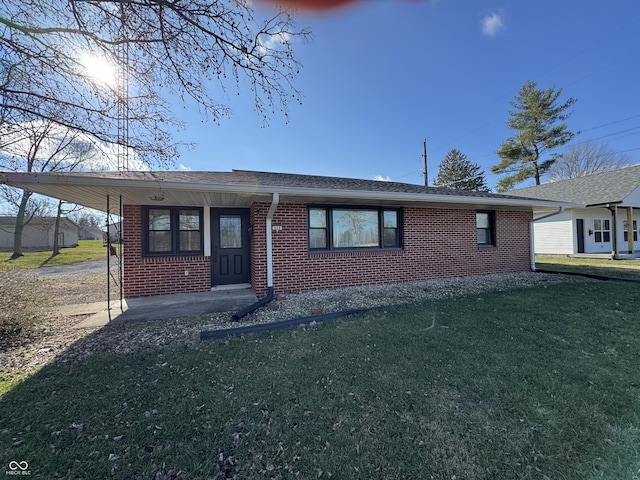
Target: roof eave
(27, 180)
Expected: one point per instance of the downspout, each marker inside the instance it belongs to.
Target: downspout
(269, 296)
(272, 210)
(532, 245)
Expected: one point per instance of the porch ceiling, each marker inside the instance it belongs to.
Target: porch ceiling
(96, 196)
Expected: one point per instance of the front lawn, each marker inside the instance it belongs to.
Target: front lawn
(615, 268)
(86, 250)
(539, 383)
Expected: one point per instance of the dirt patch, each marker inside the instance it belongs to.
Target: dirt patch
(55, 333)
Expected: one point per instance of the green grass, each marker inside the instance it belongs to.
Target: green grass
(615, 268)
(86, 250)
(537, 383)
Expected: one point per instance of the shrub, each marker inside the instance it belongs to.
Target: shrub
(23, 301)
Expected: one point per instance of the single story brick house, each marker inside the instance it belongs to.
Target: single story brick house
(194, 231)
(39, 233)
(603, 221)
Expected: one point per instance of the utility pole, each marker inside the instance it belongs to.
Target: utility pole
(426, 176)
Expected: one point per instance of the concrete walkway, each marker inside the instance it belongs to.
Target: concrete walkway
(161, 307)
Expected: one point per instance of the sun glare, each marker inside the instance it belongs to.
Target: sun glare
(99, 69)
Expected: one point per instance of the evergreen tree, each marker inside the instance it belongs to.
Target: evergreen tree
(456, 171)
(538, 119)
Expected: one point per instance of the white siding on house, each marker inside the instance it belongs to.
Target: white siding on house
(590, 243)
(632, 199)
(554, 235)
(557, 235)
(39, 234)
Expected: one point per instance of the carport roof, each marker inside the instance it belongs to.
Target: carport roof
(240, 188)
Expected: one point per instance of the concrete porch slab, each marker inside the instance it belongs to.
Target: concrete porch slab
(163, 306)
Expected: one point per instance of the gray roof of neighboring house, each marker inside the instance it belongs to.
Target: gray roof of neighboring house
(11, 221)
(599, 189)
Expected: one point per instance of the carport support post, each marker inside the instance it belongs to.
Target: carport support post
(117, 253)
(630, 230)
(616, 249)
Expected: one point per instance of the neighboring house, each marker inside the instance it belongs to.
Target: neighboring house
(115, 231)
(194, 231)
(91, 232)
(38, 233)
(605, 222)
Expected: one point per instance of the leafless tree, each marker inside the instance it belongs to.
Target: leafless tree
(587, 158)
(65, 209)
(39, 146)
(193, 49)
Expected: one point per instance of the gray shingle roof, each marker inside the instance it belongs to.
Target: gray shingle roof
(603, 188)
(247, 177)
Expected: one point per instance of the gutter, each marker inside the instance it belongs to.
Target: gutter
(532, 250)
(269, 296)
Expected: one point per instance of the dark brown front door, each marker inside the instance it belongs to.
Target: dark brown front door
(230, 262)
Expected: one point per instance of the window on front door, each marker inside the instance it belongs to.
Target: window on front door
(602, 230)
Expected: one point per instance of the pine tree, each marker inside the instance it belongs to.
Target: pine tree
(456, 171)
(538, 120)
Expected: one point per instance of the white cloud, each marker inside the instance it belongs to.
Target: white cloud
(381, 178)
(184, 168)
(492, 24)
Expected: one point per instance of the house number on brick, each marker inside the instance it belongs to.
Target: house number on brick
(276, 228)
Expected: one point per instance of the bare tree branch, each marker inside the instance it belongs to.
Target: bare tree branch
(586, 159)
(190, 48)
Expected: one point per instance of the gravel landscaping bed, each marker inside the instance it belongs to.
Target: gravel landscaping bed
(58, 338)
(127, 338)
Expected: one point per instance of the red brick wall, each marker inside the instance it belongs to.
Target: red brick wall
(144, 276)
(437, 243)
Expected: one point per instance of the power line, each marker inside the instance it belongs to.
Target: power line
(609, 124)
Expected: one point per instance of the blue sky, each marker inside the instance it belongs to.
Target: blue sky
(380, 77)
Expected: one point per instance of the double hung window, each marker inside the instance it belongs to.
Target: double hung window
(172, 231)
(602, 230)
(336, 228)
(485, 228)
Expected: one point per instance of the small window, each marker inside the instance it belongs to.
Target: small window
(190, 225)
(317, 228)
(353, 228)
(159, 232)
(485, 228)
(172, 231)
(391, 232)
(601, 230)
